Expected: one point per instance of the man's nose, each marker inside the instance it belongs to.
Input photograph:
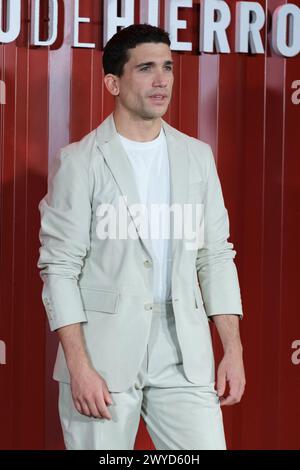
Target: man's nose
(160, 79)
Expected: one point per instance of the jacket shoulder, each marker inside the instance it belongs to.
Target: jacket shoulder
(193, 143)
(200, 153)
(197, 144)
(82, 150)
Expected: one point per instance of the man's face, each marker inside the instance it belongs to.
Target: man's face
(147, 81)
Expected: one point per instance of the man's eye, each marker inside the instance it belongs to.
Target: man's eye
(144, 68)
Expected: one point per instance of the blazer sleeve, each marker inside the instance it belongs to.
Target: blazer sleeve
(65, 238)
(216, 269)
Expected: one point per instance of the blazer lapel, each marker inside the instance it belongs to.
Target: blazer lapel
(112, 149)
(178, 161)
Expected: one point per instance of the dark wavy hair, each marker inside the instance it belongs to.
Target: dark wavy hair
(116, 54)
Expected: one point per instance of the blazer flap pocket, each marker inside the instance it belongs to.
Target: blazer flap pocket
(100, 300)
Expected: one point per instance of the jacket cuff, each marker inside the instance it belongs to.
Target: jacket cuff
(62, 300)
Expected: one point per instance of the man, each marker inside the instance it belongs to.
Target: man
(132, 312)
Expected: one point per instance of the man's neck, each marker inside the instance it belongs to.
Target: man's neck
(138, 130)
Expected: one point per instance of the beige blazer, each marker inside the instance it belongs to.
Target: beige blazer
(107, 284)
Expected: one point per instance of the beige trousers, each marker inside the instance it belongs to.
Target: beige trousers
(177, 413)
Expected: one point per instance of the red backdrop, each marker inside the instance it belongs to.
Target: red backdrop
(239, 103)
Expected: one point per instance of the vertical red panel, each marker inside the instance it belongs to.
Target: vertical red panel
(24, 142)
(7, 216)
(272, 244)
(289, 376)
(251, 250)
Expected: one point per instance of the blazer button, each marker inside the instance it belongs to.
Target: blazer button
(148, 306)
(147, 264)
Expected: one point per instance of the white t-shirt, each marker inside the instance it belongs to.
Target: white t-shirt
(150, 164)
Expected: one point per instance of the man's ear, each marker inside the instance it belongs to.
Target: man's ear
(112, 84)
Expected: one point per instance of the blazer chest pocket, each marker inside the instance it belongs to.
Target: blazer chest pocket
(100, 300)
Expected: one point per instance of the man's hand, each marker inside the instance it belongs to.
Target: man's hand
(231, 369)
(90, 392)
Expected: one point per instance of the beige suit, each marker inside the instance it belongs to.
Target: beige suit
(107, 284)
